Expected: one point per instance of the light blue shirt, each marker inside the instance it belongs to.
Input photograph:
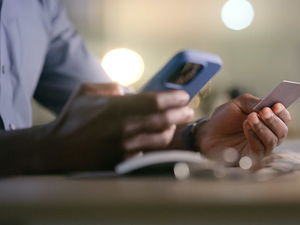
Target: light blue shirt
(41, 56)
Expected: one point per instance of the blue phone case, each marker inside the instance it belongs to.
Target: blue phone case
(210, 65)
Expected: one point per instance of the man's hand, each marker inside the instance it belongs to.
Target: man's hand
(98, 127)
(235, 125)
(95, 129)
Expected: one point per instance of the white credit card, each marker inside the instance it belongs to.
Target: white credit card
(286, 93)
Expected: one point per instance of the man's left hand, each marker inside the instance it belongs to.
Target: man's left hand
(234, 125)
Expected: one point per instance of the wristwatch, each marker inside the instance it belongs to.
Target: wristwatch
(188, 134)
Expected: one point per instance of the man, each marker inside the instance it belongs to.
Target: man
(43, 57)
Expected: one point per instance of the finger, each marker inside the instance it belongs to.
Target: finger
(273, 122)
(159, 121)
(149, 141)
(129, 155)
(282, 113)
(246, 102)
(256, 153)
(255, 144)
(151, 102)
(266, 136)
(165, 100)
(102, 89)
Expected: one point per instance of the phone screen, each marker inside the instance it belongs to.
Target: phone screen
(186, 73)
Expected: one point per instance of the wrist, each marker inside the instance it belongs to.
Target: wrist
(38, 155)
(199, 136)
(22, 150)
(190, 134)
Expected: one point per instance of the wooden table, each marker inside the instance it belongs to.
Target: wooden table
(58, 200)
(61, 200)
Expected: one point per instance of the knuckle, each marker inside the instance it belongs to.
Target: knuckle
(289, 118)
(245, 97)
(153, 122)
(259, 128)
(153, 99)
(272, 142)
(270, 120)
(245, 101)
(284, 133)
(284, 114)
(166, 119)
(165, 139)
(156, 102)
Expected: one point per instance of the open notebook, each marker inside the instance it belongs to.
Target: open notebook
(159, 162)
(183, 164)
(155, 163)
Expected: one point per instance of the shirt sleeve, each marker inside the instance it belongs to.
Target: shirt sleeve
(68, 62)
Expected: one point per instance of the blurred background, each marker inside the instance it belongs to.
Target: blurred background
(259, 42)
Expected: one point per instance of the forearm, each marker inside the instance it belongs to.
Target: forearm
(25, 151)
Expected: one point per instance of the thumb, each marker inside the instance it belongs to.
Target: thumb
(246, 102)
(101, 89)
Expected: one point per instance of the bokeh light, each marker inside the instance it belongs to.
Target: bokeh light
(181, 171)
(237, 14)
(123, 66)
(246, 163)
(230, 155)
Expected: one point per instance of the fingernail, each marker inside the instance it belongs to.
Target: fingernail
(278, 107)
(254, 119)
(189, 113)
(182, 97)
(266, 113)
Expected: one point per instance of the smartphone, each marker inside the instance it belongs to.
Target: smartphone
(286, 93)
(188, 70)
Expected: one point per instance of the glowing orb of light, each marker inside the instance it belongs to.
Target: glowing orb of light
(246, 163)
(123, 66)
(237, 14)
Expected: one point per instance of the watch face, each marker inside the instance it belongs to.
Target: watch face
(186, 73)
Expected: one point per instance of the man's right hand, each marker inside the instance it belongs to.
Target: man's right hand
(96, 130)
